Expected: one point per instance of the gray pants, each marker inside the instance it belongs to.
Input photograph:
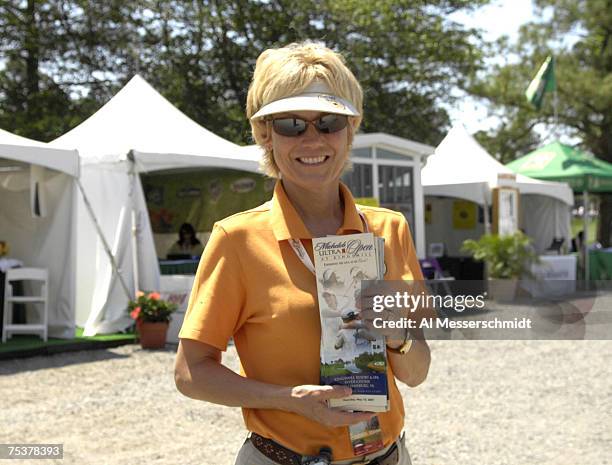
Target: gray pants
(249, 455)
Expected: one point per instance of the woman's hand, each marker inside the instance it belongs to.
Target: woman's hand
(310, 401)
(200, 375)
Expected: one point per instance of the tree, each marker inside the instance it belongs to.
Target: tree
(61, 59)
(579, 36)
(200, 55)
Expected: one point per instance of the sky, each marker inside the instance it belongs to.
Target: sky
(500, 17)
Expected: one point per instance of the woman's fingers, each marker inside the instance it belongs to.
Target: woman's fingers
(311, 402)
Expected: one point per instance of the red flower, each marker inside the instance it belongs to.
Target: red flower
(135, 313)
(154, 296)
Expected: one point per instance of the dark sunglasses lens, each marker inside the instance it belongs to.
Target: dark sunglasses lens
(289, 127)
(331, 123)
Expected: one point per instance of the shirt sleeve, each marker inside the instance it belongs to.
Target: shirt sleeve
(217, 296)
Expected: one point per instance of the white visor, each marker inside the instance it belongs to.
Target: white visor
(316, 97)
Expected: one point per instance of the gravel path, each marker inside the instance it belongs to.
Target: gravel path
(485, 402)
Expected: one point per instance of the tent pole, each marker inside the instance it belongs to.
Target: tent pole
(133, 175)
(103, 239)
(556, 113)
(135, 249)
(487, 224)
(585, 217)
(487, 228)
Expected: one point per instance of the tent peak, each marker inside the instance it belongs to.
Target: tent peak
(140, 119)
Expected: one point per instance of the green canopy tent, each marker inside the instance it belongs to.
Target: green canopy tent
(559, 162)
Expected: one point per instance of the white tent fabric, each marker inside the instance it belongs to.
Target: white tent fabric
(44, 240)
(461, 168)
(138, 119)
(137, 131)
(26, 150)
(543, 218)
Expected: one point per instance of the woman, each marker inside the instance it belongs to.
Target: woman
(304, 106)
(188, 243)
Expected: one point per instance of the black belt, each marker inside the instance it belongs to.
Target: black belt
(283, 456)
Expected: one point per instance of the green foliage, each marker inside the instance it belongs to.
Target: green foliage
(579, 35)
(60, 59)
(334, 369)
(151, 308)
(65, 58)
(364, 359)
(506, 257)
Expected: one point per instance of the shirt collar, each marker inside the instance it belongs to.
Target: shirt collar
(287, 223)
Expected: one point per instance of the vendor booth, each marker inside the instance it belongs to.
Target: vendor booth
(137, 131)
(388, 168)
(200, 198)
(458, 183)
(585, 174)
(38, 190)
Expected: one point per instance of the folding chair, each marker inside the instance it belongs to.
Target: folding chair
(34, 275)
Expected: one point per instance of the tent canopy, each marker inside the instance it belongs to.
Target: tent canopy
(560, 162)
(137, 131)
(139, 122)
(42, 237)
(24, 150)
(461, 168)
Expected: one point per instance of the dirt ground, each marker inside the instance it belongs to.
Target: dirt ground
(485, 402)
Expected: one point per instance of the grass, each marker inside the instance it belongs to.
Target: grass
(334, 369)
(21, 345)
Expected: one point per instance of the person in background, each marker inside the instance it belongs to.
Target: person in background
(188, 243)
(578, 242)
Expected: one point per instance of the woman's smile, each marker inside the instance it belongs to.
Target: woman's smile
(313, 161)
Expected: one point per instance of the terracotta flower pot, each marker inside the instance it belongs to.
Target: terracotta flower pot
(152, 335)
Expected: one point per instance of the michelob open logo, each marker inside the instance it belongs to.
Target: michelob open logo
(352, 248)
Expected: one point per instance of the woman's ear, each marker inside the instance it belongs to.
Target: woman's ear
(266, 139)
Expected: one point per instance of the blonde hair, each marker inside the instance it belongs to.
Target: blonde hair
(283, 72)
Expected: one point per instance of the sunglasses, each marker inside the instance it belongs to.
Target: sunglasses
(291, 126)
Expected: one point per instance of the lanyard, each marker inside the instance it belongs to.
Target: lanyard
(300, 250)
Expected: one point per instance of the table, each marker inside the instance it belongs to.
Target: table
(600, 264)
(555, 275)
(176, 289)
(189, 266)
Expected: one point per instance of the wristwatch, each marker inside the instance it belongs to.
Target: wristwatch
(405, 347)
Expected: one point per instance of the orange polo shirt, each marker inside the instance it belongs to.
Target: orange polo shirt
(251, 286)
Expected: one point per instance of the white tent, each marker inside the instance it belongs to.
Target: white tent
(460, 168)
(137, 131)
(37, 218)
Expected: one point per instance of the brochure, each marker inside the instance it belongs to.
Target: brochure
(351, 354)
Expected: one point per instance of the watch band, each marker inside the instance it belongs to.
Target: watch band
(405, 347)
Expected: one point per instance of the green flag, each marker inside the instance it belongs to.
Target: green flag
(544, 81)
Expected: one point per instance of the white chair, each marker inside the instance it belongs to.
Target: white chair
(39, 275)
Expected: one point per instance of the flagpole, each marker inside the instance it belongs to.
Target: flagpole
(585, 245)
(556, 114)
